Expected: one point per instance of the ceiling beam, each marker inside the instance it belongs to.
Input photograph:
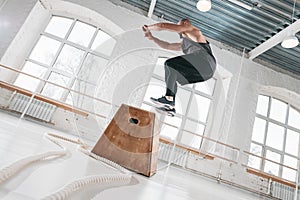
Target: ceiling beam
(274, 40)
(151, 8)
(239, 3)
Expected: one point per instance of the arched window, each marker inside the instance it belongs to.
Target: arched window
(275, 138)
(69, 53)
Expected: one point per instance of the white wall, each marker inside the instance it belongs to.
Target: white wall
(133, 58)
(12, 14)
(25, 32)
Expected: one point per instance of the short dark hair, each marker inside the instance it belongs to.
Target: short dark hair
(185, 20)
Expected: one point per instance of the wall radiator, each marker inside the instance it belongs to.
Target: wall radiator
(283, 192)
(37, 109)
(179, 156)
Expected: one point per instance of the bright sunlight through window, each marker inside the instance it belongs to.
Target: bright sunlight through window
(69, 54)
(275, 138)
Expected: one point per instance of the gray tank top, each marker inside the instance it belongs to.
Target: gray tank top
(189, 47)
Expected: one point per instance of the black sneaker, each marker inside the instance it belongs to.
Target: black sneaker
(170, 112)
(163, 102)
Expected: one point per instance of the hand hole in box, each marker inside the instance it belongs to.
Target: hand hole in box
(133, 121)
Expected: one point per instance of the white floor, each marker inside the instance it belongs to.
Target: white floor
(21, 138)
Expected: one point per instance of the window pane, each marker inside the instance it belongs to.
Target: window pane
(278, 110)
(156, 89)
(256, 149)
(175, 121)
(275, 136)
(52, 91)
(182, 99)
(292, 142)
(191, 140)
(81, 101)
(69, 59)
(294, 118)
(59, 26)
(199, 108)
(103, 43)
(82, 33)
(194, 127)
(27, 82)
(98, 107)
(92, 68)
(290, 161)
(159, 67)
(262, 105)
(255, 161)
(288, 173)
(45, 50)
(84, 87)
(206, 87)
(270, 167)
(168, 132)
(34, 69)
(259, 130)
(59, 79)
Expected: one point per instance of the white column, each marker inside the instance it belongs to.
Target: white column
(151, 8)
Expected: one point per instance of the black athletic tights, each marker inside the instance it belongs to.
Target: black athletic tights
(185, 69)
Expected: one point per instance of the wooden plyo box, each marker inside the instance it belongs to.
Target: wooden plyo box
(130, 140)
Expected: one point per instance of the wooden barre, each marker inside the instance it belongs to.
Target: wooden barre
(42, 98)
(165, 141)
(269, 176)
(282, 165)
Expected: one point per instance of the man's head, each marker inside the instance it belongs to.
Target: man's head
(184, 22)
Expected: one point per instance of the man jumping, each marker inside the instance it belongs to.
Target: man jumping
(197, 65)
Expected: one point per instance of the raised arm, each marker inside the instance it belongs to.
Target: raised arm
(170, 27)
(183, 27)
(167, 45)
(161, 43)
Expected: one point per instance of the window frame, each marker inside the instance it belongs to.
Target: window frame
(286, 127)
(64, 41)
